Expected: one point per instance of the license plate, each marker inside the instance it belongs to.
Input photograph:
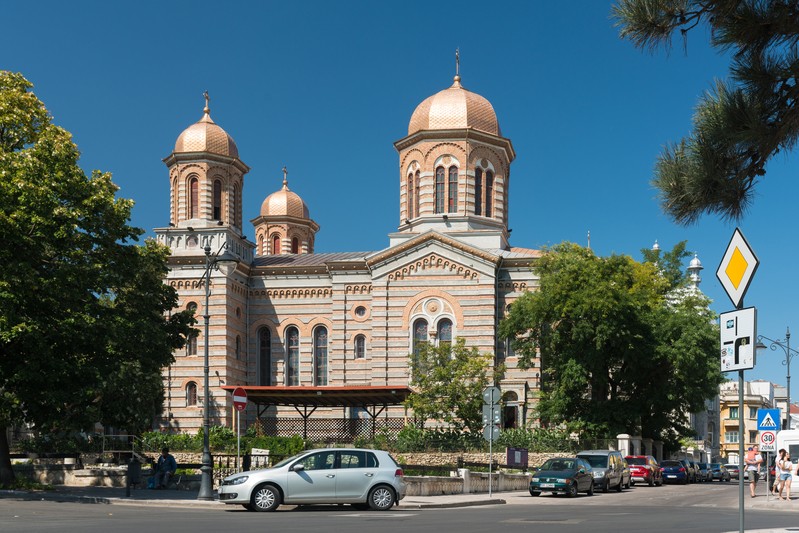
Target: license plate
(547, 485)
(671, 476)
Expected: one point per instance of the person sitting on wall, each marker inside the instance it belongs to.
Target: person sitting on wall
(164, 469)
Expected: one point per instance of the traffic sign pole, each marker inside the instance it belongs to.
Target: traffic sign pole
(240, 403)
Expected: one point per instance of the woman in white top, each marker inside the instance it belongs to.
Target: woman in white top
(786, 470)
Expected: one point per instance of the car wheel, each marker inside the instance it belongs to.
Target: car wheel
(629, 484)
(381, 498)
(606, 486)
(535, 493)
(265, 497)
(591, 488)
(572, 490)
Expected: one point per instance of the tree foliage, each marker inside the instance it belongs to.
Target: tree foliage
(448, 382)
(738, 126)
(83, 326)
(617, 355)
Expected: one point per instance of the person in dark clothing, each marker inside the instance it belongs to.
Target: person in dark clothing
(164, 469)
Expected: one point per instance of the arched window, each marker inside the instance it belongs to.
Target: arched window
(418, 186)
(444, 332)
(320, 356)
(191, 341)
(234, 216)
(295, 245)
(440, 184)
(264, 357)
(194, 198)
(478, 191)
(292, 357)
(276, 245)
(410, 196)
(261, 250)
(191, 393)
(238, 347)
(489, 192)
(360, 347)
(452, 194)
(174, 201)
(217, 200)
(419, 335)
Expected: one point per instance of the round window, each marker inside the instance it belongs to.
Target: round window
(360, 311)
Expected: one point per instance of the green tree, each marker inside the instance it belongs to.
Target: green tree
(84, 331)
(738, 126)
(614, 348)
(448, 382)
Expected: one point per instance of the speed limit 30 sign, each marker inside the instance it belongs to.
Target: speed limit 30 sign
(768, 441)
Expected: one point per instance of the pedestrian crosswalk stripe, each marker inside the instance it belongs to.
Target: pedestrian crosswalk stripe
(768, 422)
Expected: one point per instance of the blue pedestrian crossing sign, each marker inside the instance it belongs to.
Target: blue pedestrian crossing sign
(768, 419)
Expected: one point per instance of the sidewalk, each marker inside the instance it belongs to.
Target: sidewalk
(183, 498)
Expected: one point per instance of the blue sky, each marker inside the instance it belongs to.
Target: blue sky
(325, 88)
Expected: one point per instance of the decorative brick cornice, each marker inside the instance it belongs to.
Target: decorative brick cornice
(275, 294)
(433, 262)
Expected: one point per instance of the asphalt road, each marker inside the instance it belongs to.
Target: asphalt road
(705, 507)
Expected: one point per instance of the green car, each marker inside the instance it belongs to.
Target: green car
(563, 475)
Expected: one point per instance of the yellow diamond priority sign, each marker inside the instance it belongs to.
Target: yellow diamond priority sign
(737, 268)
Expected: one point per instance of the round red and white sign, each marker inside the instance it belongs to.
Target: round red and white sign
(239, 399)
(768, 441)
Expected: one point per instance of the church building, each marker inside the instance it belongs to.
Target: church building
(284, 317)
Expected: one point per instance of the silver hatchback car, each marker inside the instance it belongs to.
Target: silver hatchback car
(363, 478)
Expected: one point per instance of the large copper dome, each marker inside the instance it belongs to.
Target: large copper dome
(284, 203)
(455, 108)
(206, 136)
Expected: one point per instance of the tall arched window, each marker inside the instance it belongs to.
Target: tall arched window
(191, 342)
(194, 198)
(276, 245)
(410, 196)
(417, 182)
(264, 357)
(440, 184)
(261, 250)
(419, 335)
(320, 356)
(174, 201)
(191, 393)
(444, 332)
(295, 245)
(292, 356)
(217, 200)
(478, 191)
(489, 192)
(360, 347)
(238, 347)
(452, 194)
(234, 216)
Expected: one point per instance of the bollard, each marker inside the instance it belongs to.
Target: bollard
(133, 476)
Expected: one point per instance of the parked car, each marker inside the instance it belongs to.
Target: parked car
(720, 472)
(733, 470)
(645, 469)
(704, 473)
(607, 467)
(363, 478)
(674, 472)
(564, 475)
(690, 470)
(626, 475)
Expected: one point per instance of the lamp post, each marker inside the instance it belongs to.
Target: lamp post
(211, 262)
(785, 345)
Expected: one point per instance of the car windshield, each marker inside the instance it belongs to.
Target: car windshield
(559, 464)
(289, 459)
(636, 461)
(671, 463)
(596, 461)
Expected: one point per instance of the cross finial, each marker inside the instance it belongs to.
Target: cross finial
(457, 62)
(207, 109)
(285, 176)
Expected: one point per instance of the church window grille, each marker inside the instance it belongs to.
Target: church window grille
(191, 342)
(320, 356)
(360, 347)
(489, 192)
(419, 335)
(452, 203)
(440, 185)
(445, 332)
(217, 200)
(410, 196)
(478, 191)
(191, 393)
(417, 181)
(292, 357)
(194, 198)
(264, 357)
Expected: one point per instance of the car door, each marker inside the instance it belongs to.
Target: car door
(356, 473)
(312, 479)
(584, 475)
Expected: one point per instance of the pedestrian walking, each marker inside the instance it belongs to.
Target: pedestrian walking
(753, 462)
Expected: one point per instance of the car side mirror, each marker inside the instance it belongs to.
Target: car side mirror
(299, 467)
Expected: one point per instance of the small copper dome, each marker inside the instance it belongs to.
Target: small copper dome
(205, 136)
(284, 203)
(455, 108)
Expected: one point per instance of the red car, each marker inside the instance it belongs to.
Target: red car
(645, 468)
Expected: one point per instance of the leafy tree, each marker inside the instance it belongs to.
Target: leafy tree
(84, 331)
(669, 264)
(617, 355)
(449, 381)
(738, 126)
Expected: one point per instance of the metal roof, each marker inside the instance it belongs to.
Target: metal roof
(354, 396)
(307, 260)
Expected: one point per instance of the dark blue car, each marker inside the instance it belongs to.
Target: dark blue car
(674, 472)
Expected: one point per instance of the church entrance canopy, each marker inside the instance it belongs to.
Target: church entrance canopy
(305, 400)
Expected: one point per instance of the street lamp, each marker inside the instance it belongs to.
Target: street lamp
(785, 345)
(211, 262)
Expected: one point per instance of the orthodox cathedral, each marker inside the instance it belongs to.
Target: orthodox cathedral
(284, 318)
